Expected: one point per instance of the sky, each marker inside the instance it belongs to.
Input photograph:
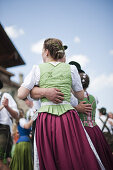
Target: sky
(86, 26)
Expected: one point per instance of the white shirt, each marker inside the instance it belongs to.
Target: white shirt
(33, 78)
(100, 123)
(36, 106)
(74, 100)
(111, 120)
(30, 113)
(5, 117)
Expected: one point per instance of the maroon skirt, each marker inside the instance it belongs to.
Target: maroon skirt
(101, 146)
(62, 143)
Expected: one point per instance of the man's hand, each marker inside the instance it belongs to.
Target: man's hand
(12, 112)
(84, 108)
(5, 102)
(54, 95)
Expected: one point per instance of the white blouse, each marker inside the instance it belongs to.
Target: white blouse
(22, 122)
(33, 78)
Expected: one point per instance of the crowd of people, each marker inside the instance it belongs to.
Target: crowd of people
(59, 131)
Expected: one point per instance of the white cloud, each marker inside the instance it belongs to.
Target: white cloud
(37, 47)
(77, 39)
(101, 82)
(14, 32)
(111, 52)
(81, 59)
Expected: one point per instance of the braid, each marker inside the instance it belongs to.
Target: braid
(55, 48)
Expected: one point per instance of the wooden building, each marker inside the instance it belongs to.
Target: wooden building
(9, 57)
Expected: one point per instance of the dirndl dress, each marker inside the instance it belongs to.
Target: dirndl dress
(22, 157)
(96, 135)
(61, 140)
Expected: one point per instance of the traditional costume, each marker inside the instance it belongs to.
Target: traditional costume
(22, 158)
(96, 134)
(60, 137)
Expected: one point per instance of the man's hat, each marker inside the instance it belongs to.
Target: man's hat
(65, 47)
(77, 65)
(102, 110)
(1, 84)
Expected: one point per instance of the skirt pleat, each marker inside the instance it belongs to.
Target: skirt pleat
(101, 146)
(22, 159)
(62, 143)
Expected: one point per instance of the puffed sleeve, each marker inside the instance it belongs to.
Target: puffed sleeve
(32, 78)
(22, 122)
(76, 81)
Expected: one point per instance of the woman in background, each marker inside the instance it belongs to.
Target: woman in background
(22, 158)
(92, 129)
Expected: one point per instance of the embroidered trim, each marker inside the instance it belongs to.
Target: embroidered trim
(51, 103)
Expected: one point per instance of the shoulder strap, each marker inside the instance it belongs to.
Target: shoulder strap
(104, 124)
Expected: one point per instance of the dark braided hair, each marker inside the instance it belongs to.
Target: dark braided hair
(55, 48)
(84, 80)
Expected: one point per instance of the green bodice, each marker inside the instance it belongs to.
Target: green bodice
(90, 119)
(58, 76)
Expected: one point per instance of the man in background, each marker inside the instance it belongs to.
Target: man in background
(105, 126)
(7, 114)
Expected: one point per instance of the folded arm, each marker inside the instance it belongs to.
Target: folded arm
(52, 94)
